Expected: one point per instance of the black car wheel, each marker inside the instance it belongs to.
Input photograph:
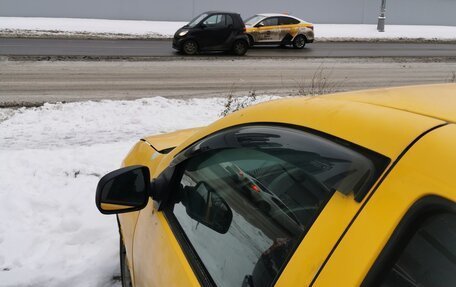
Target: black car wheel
(190, 47)
(299, 42)
(124, 270)
(240, 47)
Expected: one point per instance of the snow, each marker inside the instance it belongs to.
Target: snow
(88, 123)
(51, 160)
(99, 28)
(88, 27)
(341, 32)
(51, 233)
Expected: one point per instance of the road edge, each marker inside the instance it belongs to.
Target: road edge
(51, 34)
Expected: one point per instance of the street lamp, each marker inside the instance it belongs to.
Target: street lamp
(381, 17)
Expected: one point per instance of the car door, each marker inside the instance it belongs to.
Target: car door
(215, 31)
(268, 30)
(288, 28)
(405, 234)
(242, 200)
(423, 249)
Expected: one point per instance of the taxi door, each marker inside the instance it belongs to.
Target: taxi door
(267, 30)
(406, 233)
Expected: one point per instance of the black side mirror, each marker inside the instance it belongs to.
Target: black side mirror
(203, 26)
(261, 24)
(123, 190)
(204, 205)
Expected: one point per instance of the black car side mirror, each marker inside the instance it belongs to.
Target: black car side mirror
(259, 25)
(203, 26)
(123, 190)
(204, 205)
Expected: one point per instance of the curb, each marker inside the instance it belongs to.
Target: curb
(45, 34)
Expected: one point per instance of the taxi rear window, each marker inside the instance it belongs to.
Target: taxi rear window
(288, 21)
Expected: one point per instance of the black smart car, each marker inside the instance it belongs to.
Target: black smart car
(212, 31)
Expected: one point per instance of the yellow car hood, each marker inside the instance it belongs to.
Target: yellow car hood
(167, 141)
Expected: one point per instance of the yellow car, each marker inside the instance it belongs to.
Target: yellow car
(279, 29)
(349, 189)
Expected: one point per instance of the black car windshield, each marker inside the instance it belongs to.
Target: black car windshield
(196, 20)
(253, 20)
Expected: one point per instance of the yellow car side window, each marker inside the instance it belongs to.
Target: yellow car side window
(245, 205)
(429, 258)
(422, 250)
(273, 21)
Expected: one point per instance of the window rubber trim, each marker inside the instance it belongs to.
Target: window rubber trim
(200, 271)
(197, 265)
(418, 213)
(192, 257)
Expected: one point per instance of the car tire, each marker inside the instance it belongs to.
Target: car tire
(240, 47)
(299, 42)
(190, 47)
(125, 274)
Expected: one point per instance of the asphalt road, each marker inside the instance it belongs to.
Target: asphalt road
(36, 82)
(162, 48)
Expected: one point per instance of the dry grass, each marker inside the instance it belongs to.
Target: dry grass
(320, 83)
(234, 103)
(452, 78)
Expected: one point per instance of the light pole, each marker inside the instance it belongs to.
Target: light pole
(381, 17)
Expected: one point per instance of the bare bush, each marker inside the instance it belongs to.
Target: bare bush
(320, 83)
(234, 103)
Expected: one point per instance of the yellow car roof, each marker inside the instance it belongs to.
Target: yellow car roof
(382, 120)
(282, 15)
(380, 128)
(436, 101)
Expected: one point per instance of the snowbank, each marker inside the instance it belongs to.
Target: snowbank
(121, 29)
(351, 32)
(91, 25)
(86, 28)
(51, 160)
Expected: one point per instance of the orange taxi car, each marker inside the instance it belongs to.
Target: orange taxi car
(279, 29)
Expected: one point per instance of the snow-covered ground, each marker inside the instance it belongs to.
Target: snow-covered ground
(51, 158)
(98, 28)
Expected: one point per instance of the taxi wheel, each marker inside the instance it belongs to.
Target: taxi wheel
(299, 42)
(240, 47)
(190, 47)
(124, 270)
